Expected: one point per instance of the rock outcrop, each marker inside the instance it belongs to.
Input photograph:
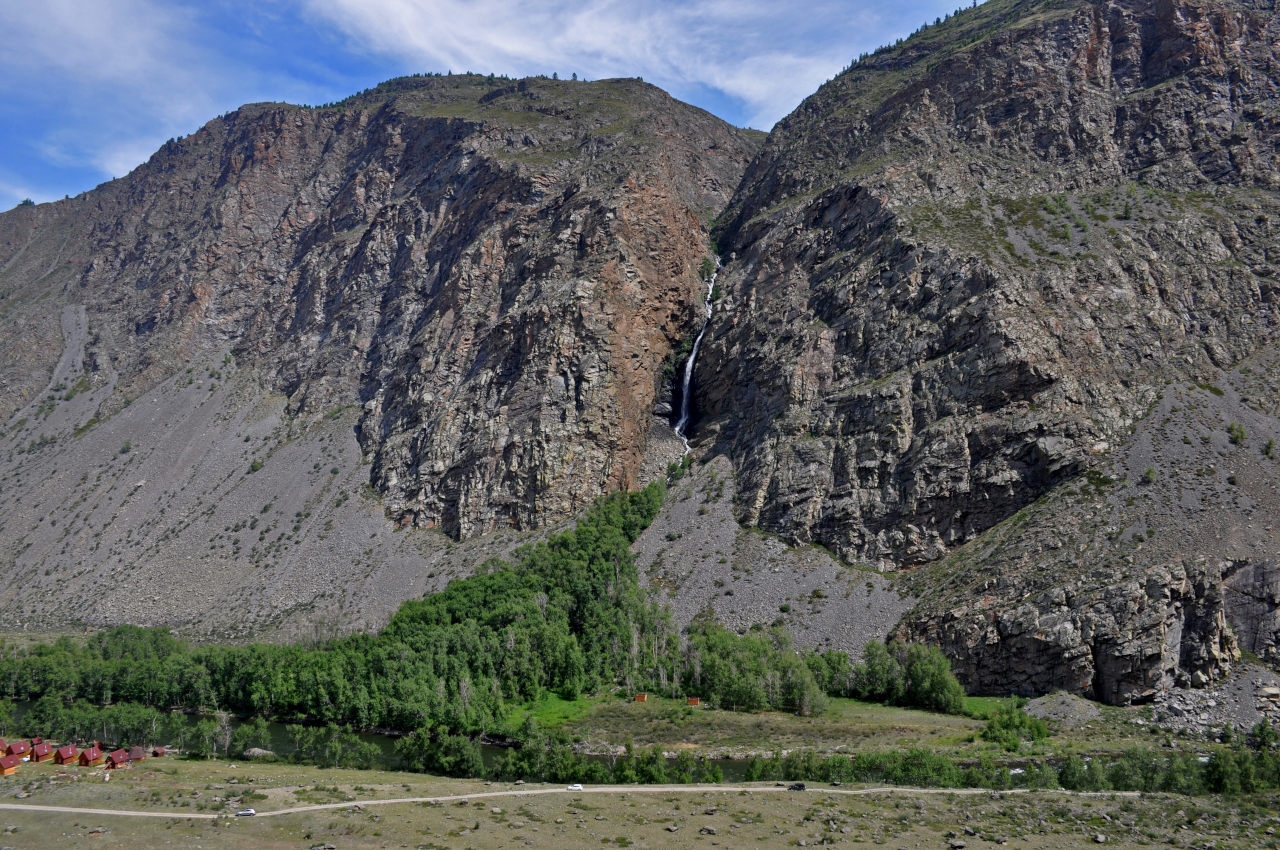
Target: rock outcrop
(495, 270)
(965, 264)
(962, 272)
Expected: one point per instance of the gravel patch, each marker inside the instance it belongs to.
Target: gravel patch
(698, 556)
(1064, 710)
(1237, 702)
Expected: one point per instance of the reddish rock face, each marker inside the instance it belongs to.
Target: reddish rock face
(494, 271)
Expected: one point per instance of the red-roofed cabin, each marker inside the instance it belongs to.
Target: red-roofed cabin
(37, 740)
(91, 756)
(9, 765)
(117, 758)
(65, 755)
(642, 697)
(42, 752)
(137, 754)
(157, 752)
(18, 748)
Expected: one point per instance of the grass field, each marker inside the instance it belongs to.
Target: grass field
(763, 816)
(604, 724)
(674, 725)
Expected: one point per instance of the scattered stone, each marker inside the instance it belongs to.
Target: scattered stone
(1065, 710)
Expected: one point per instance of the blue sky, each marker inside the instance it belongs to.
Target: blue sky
(90, 88)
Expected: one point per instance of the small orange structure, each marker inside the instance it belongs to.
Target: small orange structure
(137, 754)
(9, 765)
(91, 756)
(642, 697)
(695, 700)
(117, 758)
(157, 752)
(18, 748)
(65, 755)
(42, 751)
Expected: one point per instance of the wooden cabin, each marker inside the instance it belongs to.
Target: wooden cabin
(91, 756)
(9, 765)
(642, 697)
(66, 754)
(117, 758)
(18, 748)
(157, 752)
(42, 751)
(137, 754)
(695, 700)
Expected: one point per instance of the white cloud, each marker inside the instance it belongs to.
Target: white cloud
(769, 56)
(118, 77)
(96, 85)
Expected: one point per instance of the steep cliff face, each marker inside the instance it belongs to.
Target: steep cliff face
(494, 270)
(483, 278)
(963, 270)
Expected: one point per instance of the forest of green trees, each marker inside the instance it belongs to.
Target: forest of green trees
(567, 616)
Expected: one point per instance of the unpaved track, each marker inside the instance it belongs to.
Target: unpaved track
(533, 792)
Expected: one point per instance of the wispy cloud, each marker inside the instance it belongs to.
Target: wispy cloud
(127, 68)
(765, 55)
(97, 87)
(89, 89)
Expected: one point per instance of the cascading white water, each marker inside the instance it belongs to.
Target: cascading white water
(687, 390)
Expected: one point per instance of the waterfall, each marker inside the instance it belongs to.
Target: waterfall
(686, 393)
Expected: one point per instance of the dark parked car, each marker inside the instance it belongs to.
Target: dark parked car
(796, 786)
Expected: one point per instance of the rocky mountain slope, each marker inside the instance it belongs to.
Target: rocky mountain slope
(964, 271)
(990, 363)
(484, 278)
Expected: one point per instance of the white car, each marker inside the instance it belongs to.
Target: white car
(577, 786)
(245, 813)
